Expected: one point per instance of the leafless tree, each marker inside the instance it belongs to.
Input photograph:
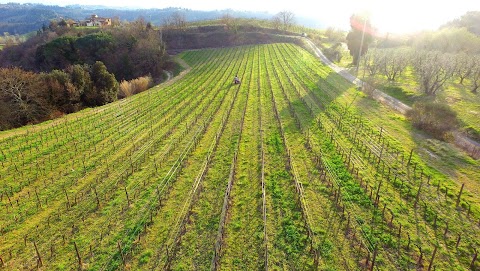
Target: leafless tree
(475, 74)
(373, 60)
(276, 22)
(22, 91)
(433, 69)
(176, 21)
(286, 19)
(464, 64)
(394, 62)
(230, 22)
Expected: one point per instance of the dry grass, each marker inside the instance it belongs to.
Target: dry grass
(134, 86)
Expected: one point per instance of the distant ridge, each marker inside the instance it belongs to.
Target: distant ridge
(23, 18)
(470, 20)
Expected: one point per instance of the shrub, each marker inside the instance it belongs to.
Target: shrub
(434, 118)
(105, 87)
(134, 86)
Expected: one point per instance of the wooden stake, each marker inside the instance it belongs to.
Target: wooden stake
(78, 255)
(410, 158)
(373, 259)
(459, 195)
(121, 253)
(433, 257)
(128, 199)
(472, 264)
(418, 195)
(40, 262)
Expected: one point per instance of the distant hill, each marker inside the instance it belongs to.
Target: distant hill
(24, 18)
(471, 21)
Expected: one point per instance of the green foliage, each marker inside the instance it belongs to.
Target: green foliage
(80, 77)
(470, 21)
(95, 46)
(59, 53)
(358, 40)
(145, 256)
(326, 249)
(435, 118)
(130, 51)
(105, 87)
(449, 40)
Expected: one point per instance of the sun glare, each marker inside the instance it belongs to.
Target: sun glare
(388, 16)
(414, 15)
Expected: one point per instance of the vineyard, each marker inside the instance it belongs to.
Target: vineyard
(280, 172)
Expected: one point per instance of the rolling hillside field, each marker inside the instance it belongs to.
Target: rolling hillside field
(293, 169)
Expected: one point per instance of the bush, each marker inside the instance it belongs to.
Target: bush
(434, 118)
(134, 86)
(105, 87)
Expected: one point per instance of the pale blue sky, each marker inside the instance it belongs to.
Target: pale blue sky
(387, 15)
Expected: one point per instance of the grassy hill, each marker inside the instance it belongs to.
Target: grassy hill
(292, 169)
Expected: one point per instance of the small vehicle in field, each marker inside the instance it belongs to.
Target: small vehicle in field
(236, 80)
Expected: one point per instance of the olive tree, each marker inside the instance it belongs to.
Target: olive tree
(373, 60)
(433, 69)
(394, 62)
(475, 74)
(464, 64)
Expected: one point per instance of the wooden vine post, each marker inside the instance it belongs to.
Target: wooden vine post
(121, 253)
(433, 257)
(459, 195)
(472, 264)
(374, 258)
(78, 255)
(40, 262)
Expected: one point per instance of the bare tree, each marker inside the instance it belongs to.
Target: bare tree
(394, 62)
(276, 22)
(230, 22)
(286, 19)
(175, 21)
(464, 64)
(22, 91)
(335, 35)
(373, 61)
(433, 69)
(475, 74)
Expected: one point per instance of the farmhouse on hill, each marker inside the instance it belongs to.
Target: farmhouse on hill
(94, 20)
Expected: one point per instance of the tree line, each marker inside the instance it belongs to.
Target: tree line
(62, 70)
(129, 50)
(432, 68)
(27, 97)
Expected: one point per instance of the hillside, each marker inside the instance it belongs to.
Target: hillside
(275, 172)
(24, 18)
(17, 19)
(216, 35)
(471, 21)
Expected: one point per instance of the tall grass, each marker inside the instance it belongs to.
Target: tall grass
(134, 86)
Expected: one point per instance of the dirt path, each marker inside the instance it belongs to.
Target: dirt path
(470, 146)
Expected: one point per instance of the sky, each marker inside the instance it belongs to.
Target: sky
(393, 16)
